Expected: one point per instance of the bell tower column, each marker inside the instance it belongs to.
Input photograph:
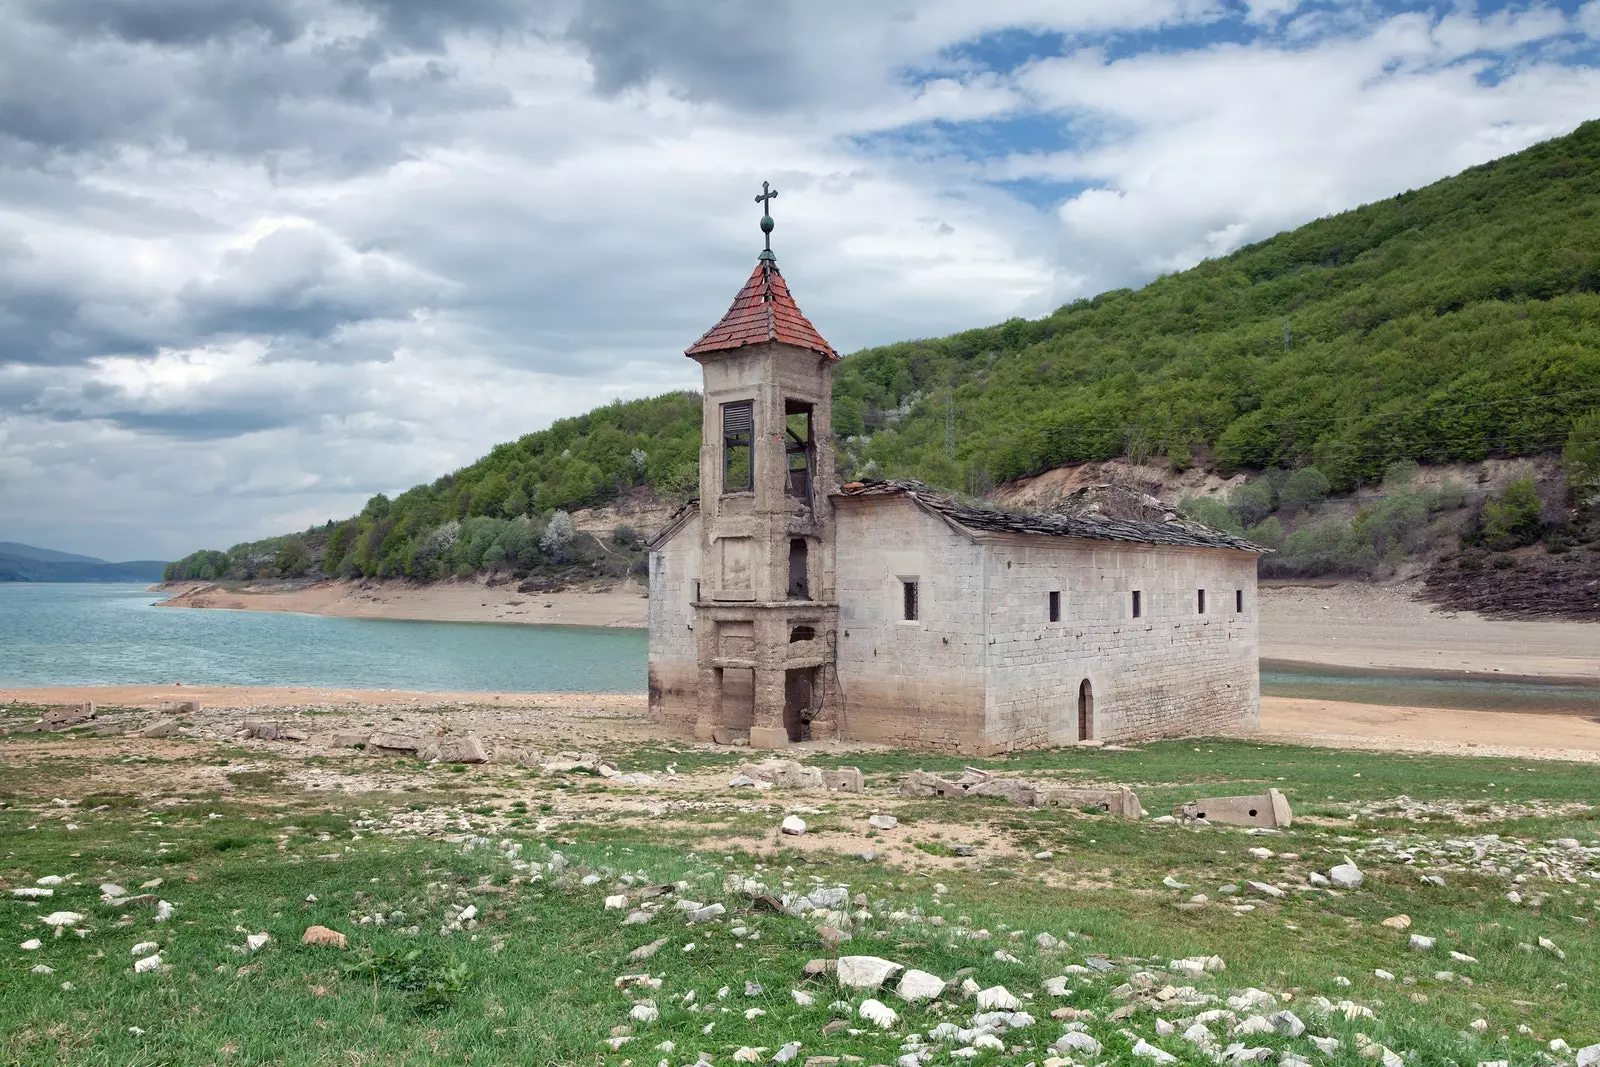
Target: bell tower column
(766, 618)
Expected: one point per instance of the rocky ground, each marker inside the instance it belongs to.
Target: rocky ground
(250, 885)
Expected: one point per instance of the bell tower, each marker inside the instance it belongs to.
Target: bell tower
(766, 614)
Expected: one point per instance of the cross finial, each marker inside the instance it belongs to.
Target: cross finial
(768, 194)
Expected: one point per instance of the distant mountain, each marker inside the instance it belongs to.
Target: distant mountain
(43, 555)
(26, 563)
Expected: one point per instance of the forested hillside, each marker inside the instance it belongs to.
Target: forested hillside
(1450, 323)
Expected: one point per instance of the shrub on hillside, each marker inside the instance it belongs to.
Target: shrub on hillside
(1511, 520)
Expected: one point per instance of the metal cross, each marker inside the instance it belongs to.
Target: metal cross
(767, 194)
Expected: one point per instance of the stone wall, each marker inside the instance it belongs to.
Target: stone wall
(918, 684)
(1172, 670)
(674, 569)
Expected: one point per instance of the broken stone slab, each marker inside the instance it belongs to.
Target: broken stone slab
(67, 715)
(267, 730)
(725, 735)
(1113, 801)
(160, 728)
(787, 774)
(350, 739)
(179, 707)
(1346, 875)
(1269, 810)
(865, 972)
(464, 749)
(391, 744)
(882, 822)
(793, 825)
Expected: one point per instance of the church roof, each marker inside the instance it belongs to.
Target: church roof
(1087, 525)
(763, 312)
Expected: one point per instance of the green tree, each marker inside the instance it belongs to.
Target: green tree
(1581, 456)
(1511, 520)
(293, 558)
(1303, 489)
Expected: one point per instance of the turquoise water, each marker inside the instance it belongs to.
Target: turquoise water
(1436, 689)
(68, 634)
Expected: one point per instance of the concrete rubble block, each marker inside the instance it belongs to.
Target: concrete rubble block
(1012, 789)
(390, 744)
(1269, 810)
(1118, 800)
(350, 739)
(727, 735)
(267, 730)
(843, 779)
(60, 718)
(923, 784)
(179, 707)
(568, 762)
(160, 728)
(464, 749)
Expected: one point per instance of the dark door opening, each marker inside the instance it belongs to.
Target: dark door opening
(799, 587)
(799, 691)
(1085, 711)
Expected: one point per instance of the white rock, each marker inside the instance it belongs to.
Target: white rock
(50, 879)
(62, 918)
(997, 998)
(1288, 1024)
(40, 968)
(1387, 976)
(255, 941)
(919, 985)
(149, 963)
(788, 1052)
(882, 822)
(1589, 1056)
(1347, 875)
(1164, 1028)
(32, 944)
(748, 1055)
(645, 1012)
(1560, 1047)
(988, 1043)
(1077, 1041)
(619, 900)
(1266, 890)
(1326, 1045)
(1199, 1035)
(865, 972)
(1255, 1024)
(1462, 957)
(112, 891)
(1146, 1050)
(1261, 853)
(707, 913)
(1550, 947)
(1252, 998)
(163, 911)
(1058, 987)
(793, 825)
(144, 948)
(1045, 855)
(878, 1013)
(1480, 1025)
(29, 892)
(802, 998)
(1421, 943)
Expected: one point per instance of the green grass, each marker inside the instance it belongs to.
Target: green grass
(534, 981)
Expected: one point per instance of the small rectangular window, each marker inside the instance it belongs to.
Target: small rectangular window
(1055, 606)
(1200, 602)
(1238, 601)
(1136, 606)
(908, 592)
(697, 590)
(738, 427)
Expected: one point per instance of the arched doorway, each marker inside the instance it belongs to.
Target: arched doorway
(1085, 711)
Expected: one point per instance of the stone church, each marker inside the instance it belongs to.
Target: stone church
(785, 607)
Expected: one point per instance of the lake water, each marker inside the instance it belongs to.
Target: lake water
(69, 634)
(65, 634)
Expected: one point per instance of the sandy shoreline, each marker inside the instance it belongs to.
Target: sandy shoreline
(447, 601)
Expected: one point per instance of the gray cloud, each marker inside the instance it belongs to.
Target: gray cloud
(261, 259)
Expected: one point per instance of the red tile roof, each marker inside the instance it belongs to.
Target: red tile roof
(762, 312)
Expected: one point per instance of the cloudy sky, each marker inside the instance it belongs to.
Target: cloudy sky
(261, 259)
